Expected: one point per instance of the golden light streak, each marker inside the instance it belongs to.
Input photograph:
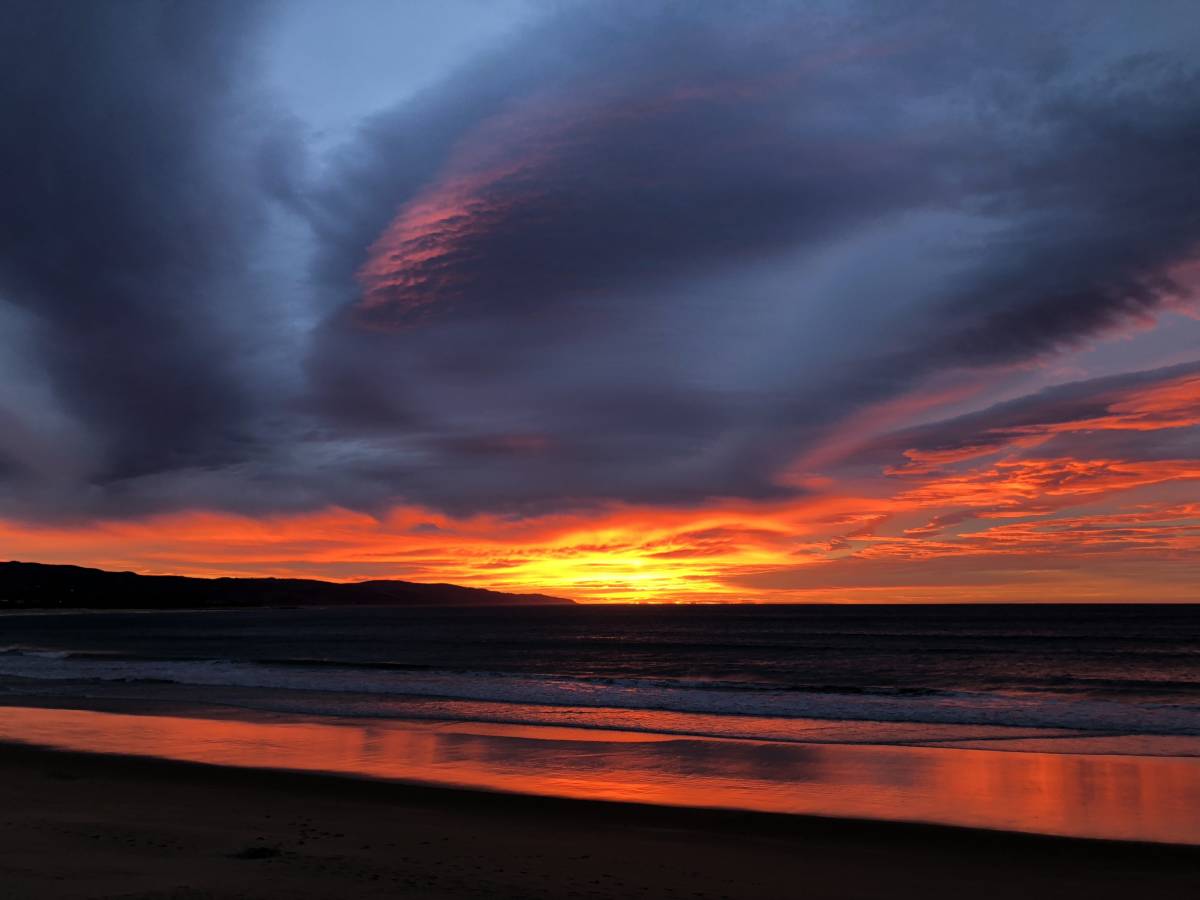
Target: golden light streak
(985, 522)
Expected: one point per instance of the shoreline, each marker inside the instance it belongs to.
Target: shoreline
(657, 815)
(1151, 798)
(102, 825)
(996, 738)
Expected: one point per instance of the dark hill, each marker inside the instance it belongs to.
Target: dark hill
(37, 586)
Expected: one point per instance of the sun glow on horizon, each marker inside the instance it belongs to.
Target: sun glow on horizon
(990, 516)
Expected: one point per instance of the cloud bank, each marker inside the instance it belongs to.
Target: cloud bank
(627, 255)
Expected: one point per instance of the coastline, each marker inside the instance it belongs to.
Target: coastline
(348, 753)
(92, 825)
(1145, 798)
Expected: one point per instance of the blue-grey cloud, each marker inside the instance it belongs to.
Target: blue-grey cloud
(637, 252)
(125, 224)
(678, 245)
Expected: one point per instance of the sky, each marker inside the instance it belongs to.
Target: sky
(624, 301)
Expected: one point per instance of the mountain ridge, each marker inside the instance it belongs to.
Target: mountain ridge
(31, 585)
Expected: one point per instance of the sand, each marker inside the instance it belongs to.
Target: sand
(85, 826)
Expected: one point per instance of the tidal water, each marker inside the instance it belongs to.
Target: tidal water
(1067, 719)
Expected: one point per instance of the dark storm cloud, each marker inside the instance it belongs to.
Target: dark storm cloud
(128, 215)
(641, 252)
(617, 147)
(678, 245)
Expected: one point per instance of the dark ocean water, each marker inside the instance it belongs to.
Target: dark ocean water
(751, 671)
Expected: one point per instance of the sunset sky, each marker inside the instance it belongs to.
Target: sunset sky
(763, 301)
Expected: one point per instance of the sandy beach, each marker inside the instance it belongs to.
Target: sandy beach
(92, 826)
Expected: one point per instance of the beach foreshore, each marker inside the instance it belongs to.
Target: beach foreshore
(76, 825)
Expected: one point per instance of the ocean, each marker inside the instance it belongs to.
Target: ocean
(751, 691)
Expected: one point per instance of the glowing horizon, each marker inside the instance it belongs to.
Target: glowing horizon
(994, 518)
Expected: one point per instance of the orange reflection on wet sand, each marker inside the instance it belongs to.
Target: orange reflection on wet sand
(1127, 797)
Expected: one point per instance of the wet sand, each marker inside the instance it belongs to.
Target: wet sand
(88, 826)
(1129, 798)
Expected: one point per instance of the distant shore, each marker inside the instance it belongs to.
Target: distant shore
(80, 825)
(30, 585)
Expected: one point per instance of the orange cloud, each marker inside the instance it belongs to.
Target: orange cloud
(1171, 403)
(1022, 487)
(619, 554)
(947, 525)
(845, 547)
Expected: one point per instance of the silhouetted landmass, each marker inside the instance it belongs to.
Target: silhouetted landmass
(26, 585)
